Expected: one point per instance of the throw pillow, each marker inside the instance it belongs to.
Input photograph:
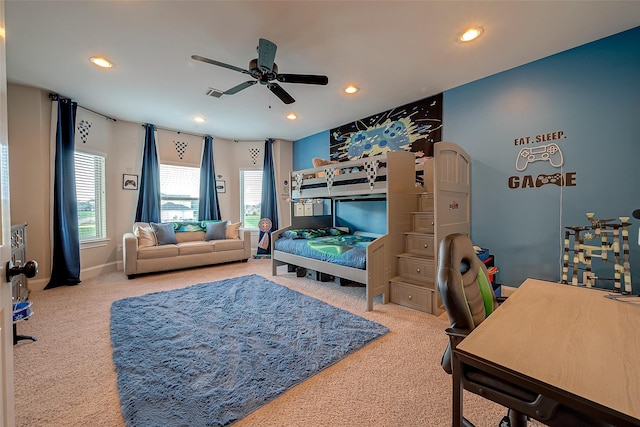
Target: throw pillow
(164, 233)
(146, 236)
(216, 231)
(232, 230)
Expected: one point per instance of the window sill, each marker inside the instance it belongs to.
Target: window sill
(95, 243)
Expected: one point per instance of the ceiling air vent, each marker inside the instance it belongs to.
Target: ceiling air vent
(214, 92)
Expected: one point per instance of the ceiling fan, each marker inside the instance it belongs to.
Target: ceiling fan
(264, 70)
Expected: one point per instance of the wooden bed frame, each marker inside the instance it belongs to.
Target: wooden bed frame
(398, 171)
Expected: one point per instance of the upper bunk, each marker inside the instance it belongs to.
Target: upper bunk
(369, 176)
(395, 171)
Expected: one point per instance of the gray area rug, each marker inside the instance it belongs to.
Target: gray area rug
(210, 354)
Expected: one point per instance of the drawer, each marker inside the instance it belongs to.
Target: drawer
(411, 296)
(419, 244)
(416, 269)
(423, 222)
(426, 202)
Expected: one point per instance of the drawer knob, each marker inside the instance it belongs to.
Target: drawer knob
(432, 223)
(417, 270)
(410, 297)
(426, 245)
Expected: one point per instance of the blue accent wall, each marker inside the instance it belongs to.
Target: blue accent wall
(307, 148)
(586, 101)
(368, 215)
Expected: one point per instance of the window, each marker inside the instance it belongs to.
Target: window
(179, 193)
(250, 197)
(90, 195)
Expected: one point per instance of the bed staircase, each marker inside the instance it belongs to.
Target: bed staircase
(415, 285)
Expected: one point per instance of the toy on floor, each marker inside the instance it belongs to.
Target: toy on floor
(611, 234)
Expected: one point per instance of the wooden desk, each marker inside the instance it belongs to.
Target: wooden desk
(566, 342)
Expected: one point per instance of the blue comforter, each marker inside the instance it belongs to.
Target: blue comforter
(348, 249)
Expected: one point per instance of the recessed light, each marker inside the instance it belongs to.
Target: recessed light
(292, 116)
(101, 62)
(199, 119)
(351, 89)
(470, 34)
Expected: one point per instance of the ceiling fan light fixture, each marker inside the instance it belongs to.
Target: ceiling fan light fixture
(351, 89)
(292, 116)
(101, 62)
(199, 119)
(470, 34)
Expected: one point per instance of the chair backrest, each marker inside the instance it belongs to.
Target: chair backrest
(464, 285)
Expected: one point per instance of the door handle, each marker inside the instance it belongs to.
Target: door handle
(29, 269)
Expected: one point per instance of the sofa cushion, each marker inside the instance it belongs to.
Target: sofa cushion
(164, 233)
(153, 252)
(232, 230)
(190, 248)
(227, 245)
(190, 236)
(216, 231)
(145, 234)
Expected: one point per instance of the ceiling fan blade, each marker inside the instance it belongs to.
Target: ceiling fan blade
(218, 63)
(302, 78)
(281, 93)
(239, 87)
(266, 55)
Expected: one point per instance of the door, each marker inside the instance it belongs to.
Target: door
(6, 315)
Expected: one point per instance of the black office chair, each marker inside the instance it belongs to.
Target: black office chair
(467, 294)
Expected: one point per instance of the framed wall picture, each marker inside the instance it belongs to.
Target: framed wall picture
(129, 182)
(221, 186)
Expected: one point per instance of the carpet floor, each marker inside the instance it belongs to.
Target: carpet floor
(67, 378)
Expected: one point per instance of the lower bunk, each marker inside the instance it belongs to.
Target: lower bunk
(357, 257)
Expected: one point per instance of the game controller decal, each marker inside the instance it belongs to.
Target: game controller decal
(543, 155)
(412, 127)
(556, 179)
(550, 152)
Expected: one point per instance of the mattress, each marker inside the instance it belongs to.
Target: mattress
(348, 249)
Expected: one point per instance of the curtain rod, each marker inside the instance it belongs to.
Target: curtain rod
(177, 131)
(56, 97)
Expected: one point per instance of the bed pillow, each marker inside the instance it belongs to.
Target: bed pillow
(216, 231)
(146, 236)
(233, 230)
(164, 233)
(310, 233)
(333, 231)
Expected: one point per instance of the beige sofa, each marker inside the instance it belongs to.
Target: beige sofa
(142, 253)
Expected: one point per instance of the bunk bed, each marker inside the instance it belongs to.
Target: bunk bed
(394, 177)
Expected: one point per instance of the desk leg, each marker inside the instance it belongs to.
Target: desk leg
(457, 417)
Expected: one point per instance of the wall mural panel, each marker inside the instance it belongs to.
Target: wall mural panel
(412, 127)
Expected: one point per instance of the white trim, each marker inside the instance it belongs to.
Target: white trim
(90, 151)
(94, 243)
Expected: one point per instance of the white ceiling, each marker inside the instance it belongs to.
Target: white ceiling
(395, 51)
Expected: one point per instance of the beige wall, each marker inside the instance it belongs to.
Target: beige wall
(122, 142)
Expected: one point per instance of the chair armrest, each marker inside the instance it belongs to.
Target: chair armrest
(456, 335)
(457, 332)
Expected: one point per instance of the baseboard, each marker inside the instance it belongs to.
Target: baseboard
(85, 274)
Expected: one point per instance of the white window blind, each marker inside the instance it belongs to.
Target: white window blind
(90, 196)
(179, 193)
(250, 197)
